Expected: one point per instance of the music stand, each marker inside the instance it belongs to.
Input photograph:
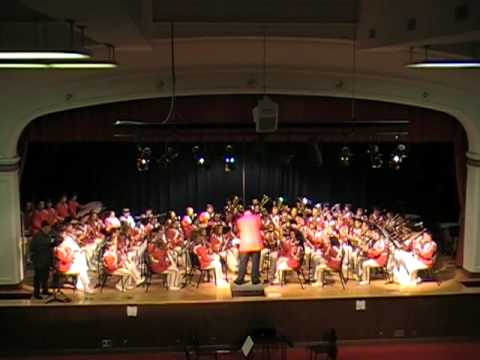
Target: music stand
(58, 295)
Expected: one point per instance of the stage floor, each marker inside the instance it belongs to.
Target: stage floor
(450, 284)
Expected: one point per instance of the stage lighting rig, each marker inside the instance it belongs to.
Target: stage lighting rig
(229, 159)
(143, 159)
(376, 157)
(345, 156)
(198, 156)
(397, 156)
(168, 157)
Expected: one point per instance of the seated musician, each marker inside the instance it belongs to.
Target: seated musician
(293, 259)
(175, 240)
(127, 218)
(71, 260)
(231, 243)
(116, 262)
(208, 260)
(112, 222)
(331, 260)
(161, 261)
(421, 257)
(377, 255)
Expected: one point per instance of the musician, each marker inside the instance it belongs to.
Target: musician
(116, 261)
(377, 255)
(127, 218)
(27, 217)
(52, 213)
(112, 222)
(72, 260)
(330, 260)
(73, 206)
(250, 246)
(62, 208)
(41, 256)
(187, 227)
(421, 257)
(39, 216)
(161, 261)
(293, 259)
(208, 259)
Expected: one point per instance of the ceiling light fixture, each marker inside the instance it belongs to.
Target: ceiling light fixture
(38, 51)
(427, 63)
(22, 65)
(43, 55)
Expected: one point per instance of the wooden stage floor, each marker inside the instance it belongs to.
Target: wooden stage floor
(450, 284)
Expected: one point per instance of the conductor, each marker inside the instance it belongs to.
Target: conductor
(250, 246)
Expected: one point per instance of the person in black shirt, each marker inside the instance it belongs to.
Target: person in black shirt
(41, 256)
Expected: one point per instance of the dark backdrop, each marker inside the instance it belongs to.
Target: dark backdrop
(425, 185)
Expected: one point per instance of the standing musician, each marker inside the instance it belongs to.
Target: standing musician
(62, 208)
(39, 215)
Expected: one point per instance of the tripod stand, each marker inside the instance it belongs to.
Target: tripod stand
(58, 295)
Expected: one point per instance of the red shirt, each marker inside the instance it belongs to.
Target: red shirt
(203, 256)
(39, 216)
(62, 210)
(72, 208)
(250, 236)
(64, 259)
(159, 259)
(52, 216)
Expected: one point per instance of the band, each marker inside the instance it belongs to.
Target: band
(315, 240)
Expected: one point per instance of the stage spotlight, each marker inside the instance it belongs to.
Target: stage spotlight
(397, 156)
(229, 159)
(345, 156)
(167, 158)
(376, 157)
(143, 159)
(198, 156)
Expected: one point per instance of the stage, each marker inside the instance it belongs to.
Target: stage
(449, 284)
(167, 319)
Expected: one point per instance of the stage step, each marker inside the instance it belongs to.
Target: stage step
(247, 290)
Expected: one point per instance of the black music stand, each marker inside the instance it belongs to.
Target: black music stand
(58, 295)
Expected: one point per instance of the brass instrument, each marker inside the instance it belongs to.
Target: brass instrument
(264, 201)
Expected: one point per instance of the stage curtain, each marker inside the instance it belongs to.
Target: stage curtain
(461, 147)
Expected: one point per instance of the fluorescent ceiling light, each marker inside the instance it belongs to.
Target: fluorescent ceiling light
(23, 65)
(445, 64)
(84, 65)
(43, 55)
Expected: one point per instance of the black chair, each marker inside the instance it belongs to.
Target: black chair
(327, 347)
(149, 274)
(338, 271)
(298, 271)
(432, 271)
(383, 270)
(204, 271)
(194, 267)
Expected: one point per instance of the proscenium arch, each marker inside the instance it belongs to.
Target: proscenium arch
(283, 81)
